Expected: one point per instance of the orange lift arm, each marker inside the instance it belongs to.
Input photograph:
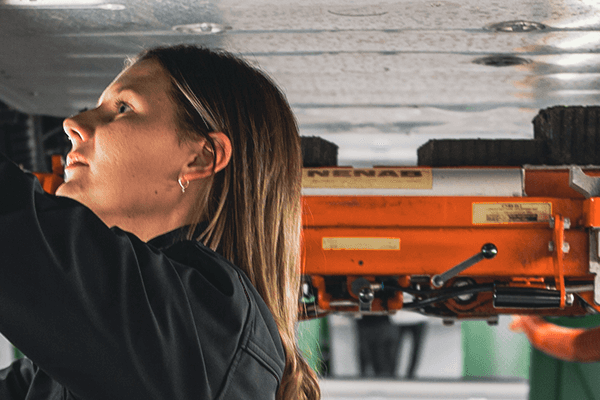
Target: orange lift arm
(375, 237)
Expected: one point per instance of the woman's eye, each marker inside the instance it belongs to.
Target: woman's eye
(123, 108)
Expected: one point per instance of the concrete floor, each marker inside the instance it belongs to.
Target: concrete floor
(422, 390)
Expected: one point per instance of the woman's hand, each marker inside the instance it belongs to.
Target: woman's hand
(568, 344)
(525, 323)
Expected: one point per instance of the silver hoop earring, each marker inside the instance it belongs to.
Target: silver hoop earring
(183, 185)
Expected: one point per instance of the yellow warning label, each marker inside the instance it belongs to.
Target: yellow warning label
(360, 243)
(379, 178)
(508, 213)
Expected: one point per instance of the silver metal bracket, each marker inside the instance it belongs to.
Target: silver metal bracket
(589, 186)
(365, 291)
(595, 261)
(365, 298)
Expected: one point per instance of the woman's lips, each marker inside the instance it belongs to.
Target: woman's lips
(76, 160)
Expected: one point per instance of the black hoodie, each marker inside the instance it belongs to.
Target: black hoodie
(102, 315)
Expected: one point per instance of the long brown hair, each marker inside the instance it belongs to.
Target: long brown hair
(253, 206)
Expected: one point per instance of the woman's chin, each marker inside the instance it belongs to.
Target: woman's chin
(67, 189)
(62, 190)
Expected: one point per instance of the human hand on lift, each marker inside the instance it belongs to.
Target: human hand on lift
(568, 344)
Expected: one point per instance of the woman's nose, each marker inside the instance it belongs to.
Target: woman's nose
(79, 127)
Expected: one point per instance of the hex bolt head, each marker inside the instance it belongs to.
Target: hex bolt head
(551, 246)
(366, 295)
(567, 223)
(437, 281)
(566, 247)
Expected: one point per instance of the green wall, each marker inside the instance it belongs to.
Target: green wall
(491, 352)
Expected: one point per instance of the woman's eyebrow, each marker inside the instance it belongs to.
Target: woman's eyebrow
(119, 92)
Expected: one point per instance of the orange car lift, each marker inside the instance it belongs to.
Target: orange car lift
(460, 242)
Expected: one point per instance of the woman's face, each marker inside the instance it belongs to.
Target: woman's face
(126, 157)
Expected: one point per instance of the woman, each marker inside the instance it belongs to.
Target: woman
(189, 165)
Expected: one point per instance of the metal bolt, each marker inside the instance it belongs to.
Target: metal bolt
(569, 299)
(551, 222)
(567, 223)
(566, 247)
(366, 295)
(461, 283)
(437, 281)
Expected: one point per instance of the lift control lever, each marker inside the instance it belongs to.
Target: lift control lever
(488, 251)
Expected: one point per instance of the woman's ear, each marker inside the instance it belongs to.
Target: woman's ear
(201, 165)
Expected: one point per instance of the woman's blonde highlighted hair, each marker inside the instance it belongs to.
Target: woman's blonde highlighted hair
(253, 207)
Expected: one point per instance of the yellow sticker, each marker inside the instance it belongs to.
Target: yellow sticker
(379, 178)
(510, 213)
(360, 243)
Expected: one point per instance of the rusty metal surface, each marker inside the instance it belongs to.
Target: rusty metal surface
(377, 79)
